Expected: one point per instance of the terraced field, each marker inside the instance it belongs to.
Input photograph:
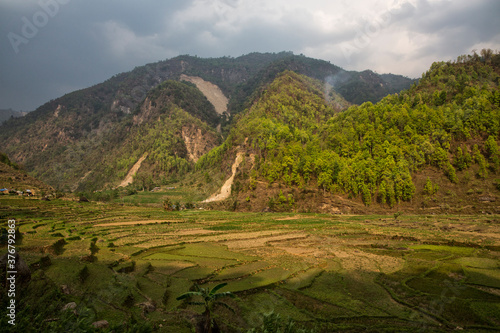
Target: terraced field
(328, 272)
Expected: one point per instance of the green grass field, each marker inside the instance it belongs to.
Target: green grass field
(325, 272)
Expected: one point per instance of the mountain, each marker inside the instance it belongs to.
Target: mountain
(69, 141)
(431, 148)
(278, 132)
(7, 114)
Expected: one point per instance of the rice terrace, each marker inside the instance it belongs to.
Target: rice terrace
(269, 193)
(127, 264)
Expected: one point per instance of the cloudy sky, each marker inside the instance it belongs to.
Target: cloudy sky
(52, 47)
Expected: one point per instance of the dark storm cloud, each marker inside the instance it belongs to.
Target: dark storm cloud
(86, 42)
(69, 51)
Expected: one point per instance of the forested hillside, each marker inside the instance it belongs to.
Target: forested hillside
(433, 145)
(449, 121)
(66, 138)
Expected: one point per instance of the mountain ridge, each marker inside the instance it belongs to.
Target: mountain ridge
(303, 147)
(53, 142)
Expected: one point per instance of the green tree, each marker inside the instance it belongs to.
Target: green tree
(451, 173)
(462, 159)
(492, 151)
(366, 195)
(481, 161)
(430, 188)
(382, 192)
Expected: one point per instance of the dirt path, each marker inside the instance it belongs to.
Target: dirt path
(211, 92)
(130, 176)
(225, 190)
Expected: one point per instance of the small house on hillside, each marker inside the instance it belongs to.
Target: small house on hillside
(4, 191)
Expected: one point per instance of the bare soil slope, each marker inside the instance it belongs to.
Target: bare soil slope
(213, 93)
(130, 176)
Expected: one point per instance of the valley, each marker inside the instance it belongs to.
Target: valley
(324, 272)
(323, 200)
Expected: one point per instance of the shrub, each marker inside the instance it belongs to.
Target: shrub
(430, 188)
(167, 205)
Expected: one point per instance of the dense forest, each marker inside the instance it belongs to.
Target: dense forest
(449, 121)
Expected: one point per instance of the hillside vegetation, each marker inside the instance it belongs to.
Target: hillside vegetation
(172, 115)
(14, 178)
(66, 138)
(433, 146)
(443, 130)
(450, 121)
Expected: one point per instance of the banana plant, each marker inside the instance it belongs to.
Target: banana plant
(211, 299)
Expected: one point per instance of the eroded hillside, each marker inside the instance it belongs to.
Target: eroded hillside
(64, 139)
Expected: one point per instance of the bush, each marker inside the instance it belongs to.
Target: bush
(167, 205)
(430, 188)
